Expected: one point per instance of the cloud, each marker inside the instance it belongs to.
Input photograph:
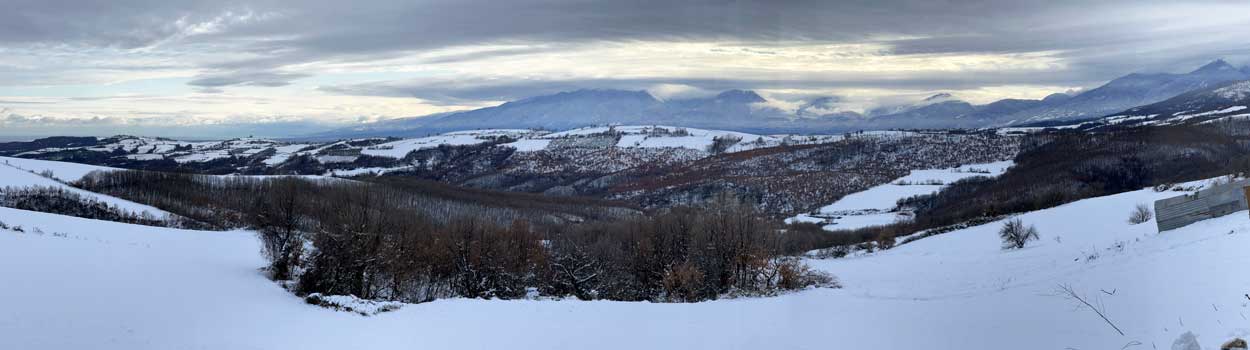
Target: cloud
(265, 79)
(386, 58)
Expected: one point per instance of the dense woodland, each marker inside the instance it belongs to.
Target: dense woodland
(395, 240)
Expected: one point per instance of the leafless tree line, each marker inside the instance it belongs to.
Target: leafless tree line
(382, 241)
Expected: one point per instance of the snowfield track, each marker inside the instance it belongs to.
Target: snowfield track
(71, 283)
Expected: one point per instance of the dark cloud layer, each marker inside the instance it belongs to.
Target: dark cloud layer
(263, 43)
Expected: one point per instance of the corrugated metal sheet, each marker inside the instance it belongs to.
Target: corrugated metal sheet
(1213, 202)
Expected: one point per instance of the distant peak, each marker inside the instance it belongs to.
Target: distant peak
(1058, 96)
(744, 96)
(939, 97)
(1215, 66)
(594, 94)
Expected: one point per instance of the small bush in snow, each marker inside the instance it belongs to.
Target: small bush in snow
(1015, 234)
(1141, 214)
(352, 304)
(682, 283)
(885, 240)
(1235, 344)
(835, 252)
(795, 275)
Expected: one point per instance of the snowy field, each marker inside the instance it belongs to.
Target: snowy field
(63, 171)
(876, 206)
(17, 173)
(100, 285)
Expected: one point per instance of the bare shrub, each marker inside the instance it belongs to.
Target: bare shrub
(1141, 214)
(795, 275)
(885, 241)
(720, 144)
(682, 282)
(835, 252)
(1015, 234)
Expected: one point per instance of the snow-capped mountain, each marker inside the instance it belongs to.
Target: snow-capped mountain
(1129, 91)
(747, 111)
(733, 109)
(1221, 102)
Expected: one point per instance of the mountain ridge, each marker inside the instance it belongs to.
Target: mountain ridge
(748, 111)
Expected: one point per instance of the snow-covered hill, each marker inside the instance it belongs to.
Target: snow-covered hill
(876, 206)
(382, 155)
(17, 173)
(159, 288)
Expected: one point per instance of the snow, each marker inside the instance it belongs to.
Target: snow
(336, 159)
(529, 145)
(63, 171)
(103, 285)
(363, 171)
(1236, 91)
(659, 136)
(876, 206)
(401, 148)
(13, 178)
(145, 156)
(203, 156)
(282, 153)
(1033, 129)
(1232, 109)
(1120, 119)
(1227, 118)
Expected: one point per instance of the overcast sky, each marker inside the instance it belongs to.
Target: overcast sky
(150, 66)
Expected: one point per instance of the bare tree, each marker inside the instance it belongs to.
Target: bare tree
(277, 220)
(1015, 234)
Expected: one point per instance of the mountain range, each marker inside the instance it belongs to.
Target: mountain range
(747, 111)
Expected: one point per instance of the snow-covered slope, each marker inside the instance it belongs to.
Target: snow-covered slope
(400, 148)
(876, 206)
(12, 177)
(102, 285)
(63, 171)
